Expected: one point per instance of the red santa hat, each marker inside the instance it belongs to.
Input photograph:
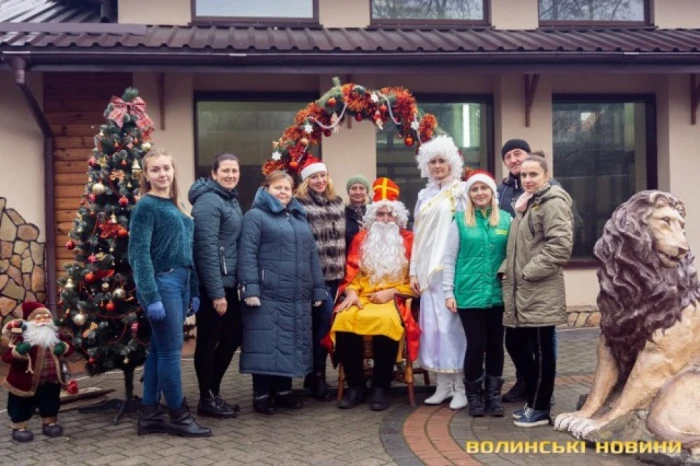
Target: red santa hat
(312, 166)
(31, 309)
(480, 176)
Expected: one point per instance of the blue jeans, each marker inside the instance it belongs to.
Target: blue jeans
(162, 368)
(321, 321)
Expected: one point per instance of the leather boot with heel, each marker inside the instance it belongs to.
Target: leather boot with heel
(319, 387)
(209, 406)
(151, 420)
(475, 397)
(182, 424)
(493, 396)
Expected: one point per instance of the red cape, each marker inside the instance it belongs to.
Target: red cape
(352, 267)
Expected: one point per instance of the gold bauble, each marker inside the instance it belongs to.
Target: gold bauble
(146, 146)
(126, 361)
(69, 284)
(105, 286)
(111, 250)
(79, 319)
(113, 219)
(119, 293)
(136, 168)
(98, 189)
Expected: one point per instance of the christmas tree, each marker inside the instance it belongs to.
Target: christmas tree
(98, 297)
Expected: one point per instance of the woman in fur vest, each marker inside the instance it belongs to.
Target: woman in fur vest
(325, 213)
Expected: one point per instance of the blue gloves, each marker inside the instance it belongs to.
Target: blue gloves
(194, 306)
(156, 311)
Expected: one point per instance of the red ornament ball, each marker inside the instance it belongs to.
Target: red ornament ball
(123, 201)
(358, 116)
(327, 133)
(111, 307)
(408, 141)
(383, 108)
(90, 277)
(92, 161)
(123, 163)
(122, 233)
(92, 197)
(70, 245)
(91, 360)
(331, 102)
(72, 387)
(92, 259)
(293, 164)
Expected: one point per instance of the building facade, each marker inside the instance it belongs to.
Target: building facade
(606, 89)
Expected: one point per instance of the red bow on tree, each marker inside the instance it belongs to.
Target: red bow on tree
(136, 107)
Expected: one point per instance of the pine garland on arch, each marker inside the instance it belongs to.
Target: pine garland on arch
(323, 117)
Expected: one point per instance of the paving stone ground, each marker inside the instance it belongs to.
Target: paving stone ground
(318, 434)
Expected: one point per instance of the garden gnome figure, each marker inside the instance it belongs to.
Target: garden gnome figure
(34, 379)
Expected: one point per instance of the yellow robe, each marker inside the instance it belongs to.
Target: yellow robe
(372, 319)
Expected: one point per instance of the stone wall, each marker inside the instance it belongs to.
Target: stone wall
(582, 316)
(22, 275)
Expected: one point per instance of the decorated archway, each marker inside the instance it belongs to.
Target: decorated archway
(323, 117)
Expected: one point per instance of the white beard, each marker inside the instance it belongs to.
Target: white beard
(41, 335)
(383, 254)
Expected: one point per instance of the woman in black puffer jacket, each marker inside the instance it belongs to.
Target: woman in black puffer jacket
(217, 226)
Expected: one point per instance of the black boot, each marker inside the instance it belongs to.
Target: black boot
(263, 404)
(233, 407)
(319, 387)
(380, 399)
(516, 393)
(22, 435)
(209, 407)
(52, 430)
(475, 397)
(151, 420)
(181, 423)
(493, 396)
(288, 400)
(352, 397)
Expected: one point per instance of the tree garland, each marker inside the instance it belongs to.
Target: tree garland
(324, 116)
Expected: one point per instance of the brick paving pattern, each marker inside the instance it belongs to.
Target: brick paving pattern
(318, 434)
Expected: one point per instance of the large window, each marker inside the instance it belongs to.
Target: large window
(407, 11)
(594, 11)
(604, 152)
(467, 120)
(245, 10)
(245, 126)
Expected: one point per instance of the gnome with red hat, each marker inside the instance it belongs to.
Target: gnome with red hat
(35, 378)
(376, 281)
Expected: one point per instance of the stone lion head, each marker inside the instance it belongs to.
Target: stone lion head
(646, 273)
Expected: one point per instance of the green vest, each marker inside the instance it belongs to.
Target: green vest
(482, 249)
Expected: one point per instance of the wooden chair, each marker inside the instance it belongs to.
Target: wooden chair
(405, 371)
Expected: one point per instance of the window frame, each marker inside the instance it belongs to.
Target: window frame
(248, 21)
(486, 21)
(558, 24)
(649, 100)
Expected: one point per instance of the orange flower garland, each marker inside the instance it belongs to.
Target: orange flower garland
(395, 105)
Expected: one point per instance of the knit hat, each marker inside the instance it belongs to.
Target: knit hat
(442, 146)
(385, 190)
(515, 144)
(32, 309)
(358, 179)
(480, 176)
(312, 166)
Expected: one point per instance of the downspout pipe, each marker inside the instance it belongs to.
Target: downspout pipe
(20, 67)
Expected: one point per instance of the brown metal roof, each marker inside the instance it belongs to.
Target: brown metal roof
(208, 45)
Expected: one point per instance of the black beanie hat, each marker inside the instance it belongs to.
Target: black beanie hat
(515, 144)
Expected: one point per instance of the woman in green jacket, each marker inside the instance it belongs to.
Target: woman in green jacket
(476, 247)
(539, 245)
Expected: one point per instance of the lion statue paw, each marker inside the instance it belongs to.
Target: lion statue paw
(565, 420)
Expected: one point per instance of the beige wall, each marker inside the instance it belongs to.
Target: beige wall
(346, 13)
(21, 151)
(514, 14)
(175, 12)
(178, 135)
(677, 13)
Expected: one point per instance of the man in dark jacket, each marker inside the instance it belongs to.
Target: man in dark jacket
(514, 151)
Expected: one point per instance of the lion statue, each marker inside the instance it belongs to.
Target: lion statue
(649, 349)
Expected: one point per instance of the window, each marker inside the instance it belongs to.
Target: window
(467, 120)
(245, 126)
(246, 10)
(407, 11)
(604, 152)
(594, 11)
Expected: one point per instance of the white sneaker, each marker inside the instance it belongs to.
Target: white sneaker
(444, 391)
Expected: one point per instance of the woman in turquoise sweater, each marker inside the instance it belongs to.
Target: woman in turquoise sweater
(160, 255)
(476, 247)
